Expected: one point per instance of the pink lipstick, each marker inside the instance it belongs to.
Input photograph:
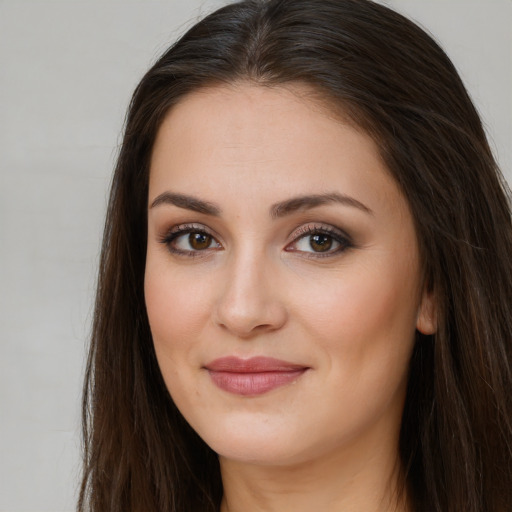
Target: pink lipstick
(253, 376)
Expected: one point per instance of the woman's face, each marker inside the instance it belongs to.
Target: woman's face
(282, 280)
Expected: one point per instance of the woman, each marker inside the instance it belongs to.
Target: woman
(304, 298)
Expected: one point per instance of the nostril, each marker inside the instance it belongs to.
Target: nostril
(244, 321)
(249, 302)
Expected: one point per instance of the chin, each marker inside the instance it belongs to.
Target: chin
(263, 443)
(251, 441)
(259, 452)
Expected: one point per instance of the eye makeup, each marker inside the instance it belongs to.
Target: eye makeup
(319, 241)
(190, 240)
(313, 240)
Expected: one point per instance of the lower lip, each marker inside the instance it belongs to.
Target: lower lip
(247, 384)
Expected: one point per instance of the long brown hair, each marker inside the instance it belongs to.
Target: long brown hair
(392, 80)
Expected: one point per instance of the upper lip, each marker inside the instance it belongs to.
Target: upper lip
(257, 364)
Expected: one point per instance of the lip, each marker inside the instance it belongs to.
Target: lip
(253, 376)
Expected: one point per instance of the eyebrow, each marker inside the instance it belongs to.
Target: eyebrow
(187, 202)
(277, 210)
(312, 201)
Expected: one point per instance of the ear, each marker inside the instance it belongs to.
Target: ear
(426, 323)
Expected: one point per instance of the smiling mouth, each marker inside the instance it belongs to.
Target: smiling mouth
(253, 376)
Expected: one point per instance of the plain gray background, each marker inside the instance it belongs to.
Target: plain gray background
(67, 70)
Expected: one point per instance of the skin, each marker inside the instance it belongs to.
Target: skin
(328, 440)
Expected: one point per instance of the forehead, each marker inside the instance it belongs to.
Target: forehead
(280, 141)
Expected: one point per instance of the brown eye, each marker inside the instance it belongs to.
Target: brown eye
(320, 242)
(188, 241)
(199, 241)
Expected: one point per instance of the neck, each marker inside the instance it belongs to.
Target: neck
(363, 478)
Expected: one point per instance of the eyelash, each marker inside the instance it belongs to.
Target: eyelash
(183, 229)
(343, 240)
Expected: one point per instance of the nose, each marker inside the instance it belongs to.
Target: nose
(250, 299)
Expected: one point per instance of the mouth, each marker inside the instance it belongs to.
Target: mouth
(254, 376)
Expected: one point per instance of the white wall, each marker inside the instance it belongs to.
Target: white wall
(67, 69)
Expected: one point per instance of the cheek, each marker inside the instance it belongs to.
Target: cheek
(364, 326)
(176, 308)
(361, 299)
(364, 320)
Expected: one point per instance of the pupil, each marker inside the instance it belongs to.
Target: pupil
(320, 243)
(199, 241)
